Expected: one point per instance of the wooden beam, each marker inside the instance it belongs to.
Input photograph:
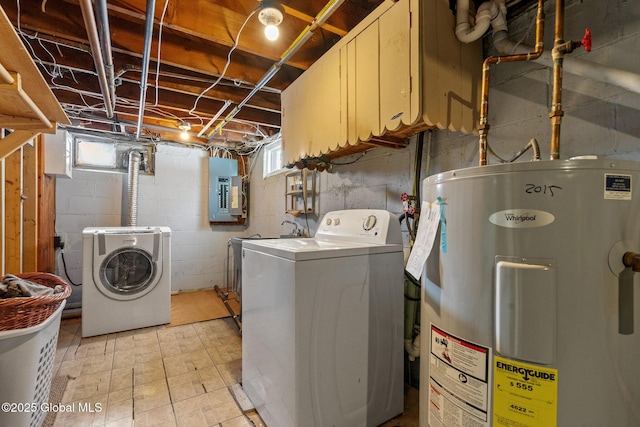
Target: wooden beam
(15, 58)
(30, 206)
(15, 99)
(309, 19)
(13, 212)
(15, 140)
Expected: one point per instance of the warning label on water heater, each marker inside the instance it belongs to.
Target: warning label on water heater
(617, 187)
(458, 381)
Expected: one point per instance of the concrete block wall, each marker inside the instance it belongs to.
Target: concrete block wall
(176, 196)
(599, 118)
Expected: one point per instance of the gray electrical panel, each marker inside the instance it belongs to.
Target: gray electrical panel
(225, 190)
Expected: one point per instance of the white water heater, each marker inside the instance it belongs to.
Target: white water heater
(529, 317)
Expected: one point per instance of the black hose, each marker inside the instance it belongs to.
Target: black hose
(418, 171)
(64, 266)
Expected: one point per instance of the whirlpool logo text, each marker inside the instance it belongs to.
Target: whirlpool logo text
(521, 218)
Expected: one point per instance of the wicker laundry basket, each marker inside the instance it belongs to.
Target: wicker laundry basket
(24, 312)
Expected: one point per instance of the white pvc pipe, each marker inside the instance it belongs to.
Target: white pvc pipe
(412, 347)
(464, 31)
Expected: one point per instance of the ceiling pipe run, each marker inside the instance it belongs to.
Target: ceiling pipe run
(105, 39)
(483, 127)
(94, 42)
(305, 35)
(146, 56)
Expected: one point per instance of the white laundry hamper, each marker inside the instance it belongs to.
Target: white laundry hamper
(26, 368)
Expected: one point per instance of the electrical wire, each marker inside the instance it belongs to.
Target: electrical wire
(66, 273)
(349, 163)
(224, 70)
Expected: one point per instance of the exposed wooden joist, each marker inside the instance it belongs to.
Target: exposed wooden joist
(14, 141)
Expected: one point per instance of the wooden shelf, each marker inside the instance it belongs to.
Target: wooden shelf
(27, 105)
(300, 192)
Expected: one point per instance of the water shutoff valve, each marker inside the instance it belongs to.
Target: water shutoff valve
(632, 259)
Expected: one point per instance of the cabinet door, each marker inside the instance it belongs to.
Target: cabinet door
(311, 122)
(363, 91)
(325, 99)
(395, 67)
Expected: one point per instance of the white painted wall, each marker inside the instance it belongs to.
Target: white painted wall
(599, 119)
(177, 196)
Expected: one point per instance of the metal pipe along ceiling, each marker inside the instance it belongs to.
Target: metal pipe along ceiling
(305, 35)
(105, 39)
(94, 42)
(148, 33)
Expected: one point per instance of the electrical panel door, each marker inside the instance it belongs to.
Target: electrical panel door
(225, 190)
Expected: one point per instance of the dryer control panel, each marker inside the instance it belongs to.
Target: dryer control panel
(360, 225)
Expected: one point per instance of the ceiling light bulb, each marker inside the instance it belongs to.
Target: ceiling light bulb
(271, 32)
(271, 15)
(184, 127)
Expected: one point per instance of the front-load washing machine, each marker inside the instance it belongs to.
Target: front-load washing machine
(322, 323)
(126, 278)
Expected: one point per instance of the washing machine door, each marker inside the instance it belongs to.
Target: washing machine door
(130, 266)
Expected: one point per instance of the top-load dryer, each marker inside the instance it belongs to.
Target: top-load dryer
(322, 323)
(126, 278)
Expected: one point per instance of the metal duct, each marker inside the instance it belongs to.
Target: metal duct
(94, 42)
(148, 34)
(134, 171)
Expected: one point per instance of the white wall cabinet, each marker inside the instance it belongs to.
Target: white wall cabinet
(58, 149)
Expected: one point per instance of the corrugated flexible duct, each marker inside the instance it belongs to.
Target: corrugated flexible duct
(134, 171)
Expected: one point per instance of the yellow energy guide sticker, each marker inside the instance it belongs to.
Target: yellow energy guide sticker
(524, 395)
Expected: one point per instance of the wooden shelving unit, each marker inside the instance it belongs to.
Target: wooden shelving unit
(300, 192)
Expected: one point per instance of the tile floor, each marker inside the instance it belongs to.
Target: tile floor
(180, 376)
(157, 376)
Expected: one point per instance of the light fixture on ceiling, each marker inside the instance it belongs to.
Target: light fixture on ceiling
(270, 15)
(184, 127)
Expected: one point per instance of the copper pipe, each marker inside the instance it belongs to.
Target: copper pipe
(483, 126)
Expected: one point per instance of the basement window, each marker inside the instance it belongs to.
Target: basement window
(102, 154)
(272, 162)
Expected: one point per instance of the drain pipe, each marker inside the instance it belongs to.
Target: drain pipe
(483, 127)
(466, 33)
(94, 42)
(305, 35)
(134, 172)
(146, 56)
(105, 38)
